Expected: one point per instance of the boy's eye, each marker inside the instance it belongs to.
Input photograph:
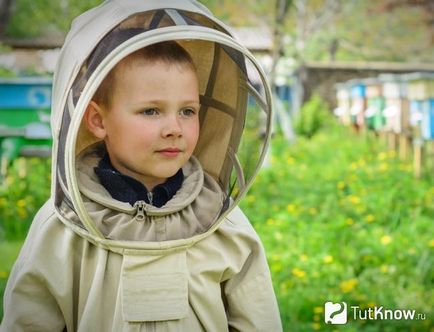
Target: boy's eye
(150, 111)
(188, 112)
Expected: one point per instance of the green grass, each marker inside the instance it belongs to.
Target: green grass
(342, 219)
(9, 252)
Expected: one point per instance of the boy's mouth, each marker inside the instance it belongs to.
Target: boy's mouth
(169, 152)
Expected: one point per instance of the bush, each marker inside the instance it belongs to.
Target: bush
(23, 191)
(313, 116)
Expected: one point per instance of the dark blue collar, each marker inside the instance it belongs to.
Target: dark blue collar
(126, 189)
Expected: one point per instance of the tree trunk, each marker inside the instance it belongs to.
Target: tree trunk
(5, 14)
(282, 7)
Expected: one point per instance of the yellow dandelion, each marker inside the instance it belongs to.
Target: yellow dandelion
(370, 218)
(341, 185)
(354, 199)
(250, 198)
(316, 326)
(4, 275)
(278, 236)
(385, 240)
(392, 154)
(371, 304)
(304, 257)
(290, 161)
(318, 310)
(347, 286)
(313, 211)
(383, 167)
(431, 243)
(22, 213)
(328, 259)
(275, 257)
(299, 273)
(291, 208)
(382, 156)
(21, 203)
(270, 222)
(412, 251)
(349, 221)
(353, 166)
(384, 268)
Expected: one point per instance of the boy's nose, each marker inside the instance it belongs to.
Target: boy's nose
(172, 127)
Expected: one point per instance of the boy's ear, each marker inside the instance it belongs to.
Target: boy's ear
(94, 120)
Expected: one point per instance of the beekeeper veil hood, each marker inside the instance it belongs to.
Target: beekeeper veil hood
(235, 104)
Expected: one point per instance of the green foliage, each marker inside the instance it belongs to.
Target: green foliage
(5, 48)
(32, 18)
(22, 192)
(363, 29)
(9, 253)
(6, 72)
(344, 220)
(313, 116)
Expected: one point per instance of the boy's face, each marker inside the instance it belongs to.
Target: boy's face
(152, 125)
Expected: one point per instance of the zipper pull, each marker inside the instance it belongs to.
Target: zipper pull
(140, 214)
(150, 197)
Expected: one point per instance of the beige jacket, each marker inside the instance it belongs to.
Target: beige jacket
(217, 284)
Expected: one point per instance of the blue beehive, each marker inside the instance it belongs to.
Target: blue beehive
(421, 93)
(24, 117)
(25, 92)
(428, 119)
(416, 111)
(358, 102)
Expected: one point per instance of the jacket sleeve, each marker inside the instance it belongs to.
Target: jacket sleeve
(28, 301)
(251, 302)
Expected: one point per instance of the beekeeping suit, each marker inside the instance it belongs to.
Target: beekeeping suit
(92, 263)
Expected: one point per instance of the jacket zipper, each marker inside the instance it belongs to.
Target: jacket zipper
(140, 212)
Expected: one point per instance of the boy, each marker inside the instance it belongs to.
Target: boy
(145, 244)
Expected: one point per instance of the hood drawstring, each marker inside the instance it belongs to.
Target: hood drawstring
(150, 197)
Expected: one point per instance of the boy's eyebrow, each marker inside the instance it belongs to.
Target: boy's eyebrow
(163, 101)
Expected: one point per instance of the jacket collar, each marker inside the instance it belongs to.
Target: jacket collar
(127, 189)
(193, 210)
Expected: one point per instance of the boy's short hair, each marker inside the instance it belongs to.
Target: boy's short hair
(169, 52)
